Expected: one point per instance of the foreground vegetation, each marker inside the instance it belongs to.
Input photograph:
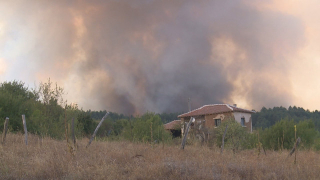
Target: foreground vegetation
(49, 115)
(50, 159)
(139, 148)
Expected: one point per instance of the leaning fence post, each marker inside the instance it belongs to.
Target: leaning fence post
(186, 133)
(95, 131)
(295, 148)
(25, 128)
(5, 129)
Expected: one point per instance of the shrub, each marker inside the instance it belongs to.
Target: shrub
(146, 128)
(236, 137)
(282, 135)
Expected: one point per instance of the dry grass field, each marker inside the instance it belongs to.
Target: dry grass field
(50, 159)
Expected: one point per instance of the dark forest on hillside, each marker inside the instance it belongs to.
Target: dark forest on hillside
(268, 117)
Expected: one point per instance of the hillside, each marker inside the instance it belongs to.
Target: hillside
(267, 117)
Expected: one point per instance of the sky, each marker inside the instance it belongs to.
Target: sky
(137, 56)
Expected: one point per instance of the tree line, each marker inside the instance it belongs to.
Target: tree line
(268, 117)
(47, 114)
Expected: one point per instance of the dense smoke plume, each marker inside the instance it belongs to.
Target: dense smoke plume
(145, 55)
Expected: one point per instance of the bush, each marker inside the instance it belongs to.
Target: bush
(316, 145)
(282, 135)
(147, 128)
(236, 137)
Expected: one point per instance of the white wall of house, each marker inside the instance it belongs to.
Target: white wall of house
(239, 115)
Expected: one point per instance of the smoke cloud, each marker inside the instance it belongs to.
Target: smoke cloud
(146, 55)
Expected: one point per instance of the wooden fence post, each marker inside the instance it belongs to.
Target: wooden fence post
(66, 125)
(263, 149)
(151, 134)
(131, 127)
(295, 147)
(5, 129)
(224, 134)
(25, 128)
(259, 144)
(95, 131)
(186, 133)
(73, 136)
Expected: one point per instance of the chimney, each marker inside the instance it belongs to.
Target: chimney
(235, 105)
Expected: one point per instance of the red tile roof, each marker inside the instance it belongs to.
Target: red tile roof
(173, 125)
(214, 109)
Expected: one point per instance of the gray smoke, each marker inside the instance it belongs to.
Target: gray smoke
(148, 55)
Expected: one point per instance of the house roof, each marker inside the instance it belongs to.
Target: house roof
(214, 109)
(173, 125)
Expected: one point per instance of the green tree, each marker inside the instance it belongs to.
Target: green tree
(236, 137)
(86, 122)
(268, 117)
(119, 125)
(16, 99)
(147, 128)
(49, 115)
(282, 134)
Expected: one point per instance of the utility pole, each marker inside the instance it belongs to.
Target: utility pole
(189, 104)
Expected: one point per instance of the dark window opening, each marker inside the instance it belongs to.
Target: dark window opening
(175, 133)
(217, 122)
(243, 121)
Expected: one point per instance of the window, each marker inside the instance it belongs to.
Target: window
(217, 122)
(243, 121)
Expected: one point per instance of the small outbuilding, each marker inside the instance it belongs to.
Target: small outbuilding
(174, 127)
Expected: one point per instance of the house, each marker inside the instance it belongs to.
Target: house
(174, 127)
(211, 116)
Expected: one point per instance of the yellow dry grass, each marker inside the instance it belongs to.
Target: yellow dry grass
(51, 159)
